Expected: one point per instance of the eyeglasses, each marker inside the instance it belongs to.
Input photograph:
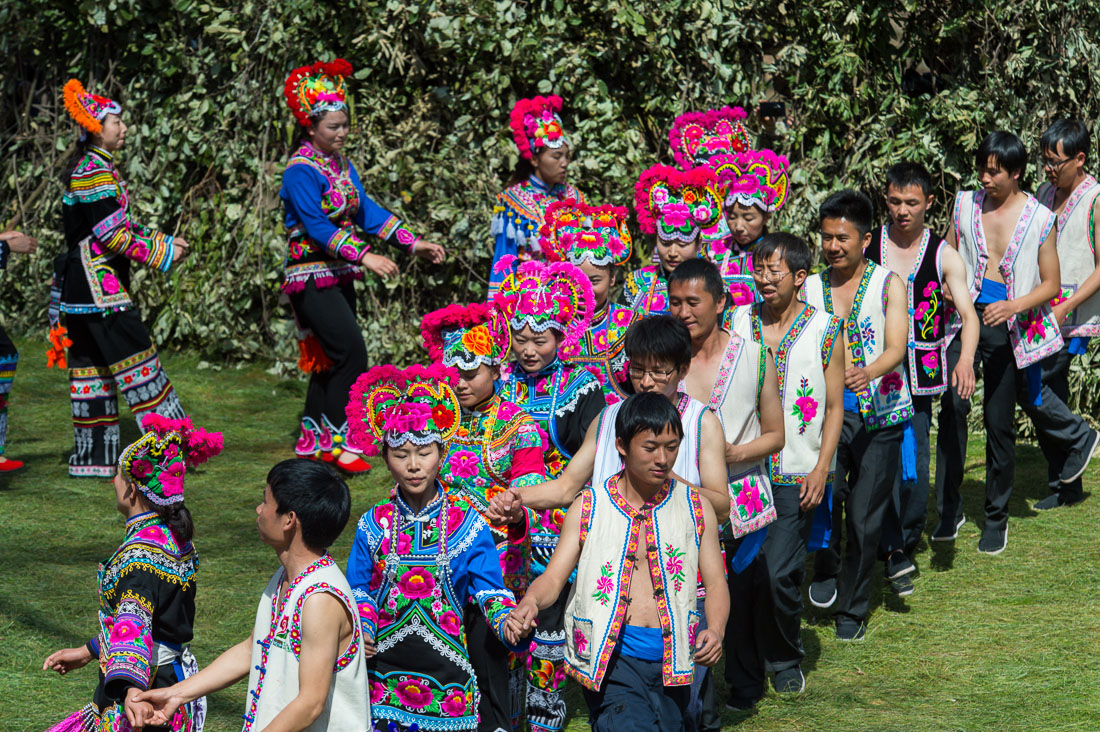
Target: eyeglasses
(772, 277)
(1053, 164)
(655, 374)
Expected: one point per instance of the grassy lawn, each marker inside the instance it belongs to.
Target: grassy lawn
(986, 643)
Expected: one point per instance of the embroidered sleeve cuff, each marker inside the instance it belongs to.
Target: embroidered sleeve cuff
(528, 467)
(368, 619)
(93, 647)
(497, 604)
(343, 244)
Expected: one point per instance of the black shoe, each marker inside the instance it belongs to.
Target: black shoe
(849, 629)
(1079, 462)
(902, 586)
(739, 704)
(823, 592)
(946, 532)
(899, 565)
(993, 540)
(1056, 500)
(789, 681)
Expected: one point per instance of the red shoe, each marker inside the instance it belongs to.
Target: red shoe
(359, 465)
(9, 465)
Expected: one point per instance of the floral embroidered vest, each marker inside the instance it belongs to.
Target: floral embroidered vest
(669, 528)
(886, 401)
(1033, 334)
(1076, 254)
(645, 291)
(800, 361)
(926, 351)
(603, 351)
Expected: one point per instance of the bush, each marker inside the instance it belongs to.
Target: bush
(201, 86)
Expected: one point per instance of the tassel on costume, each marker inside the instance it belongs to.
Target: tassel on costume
(59, 341)
(312, 358)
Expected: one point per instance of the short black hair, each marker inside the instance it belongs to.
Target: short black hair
(851, 205)
(701, 269)
(316, 494)
(1006, 149)
(660, 337)
(792, 250)
(647, 412)
(903, 175)
(1073, 134)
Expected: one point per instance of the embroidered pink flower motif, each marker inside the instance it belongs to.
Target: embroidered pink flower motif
(406, 417)
(749, 498)
(383, 514)
(891, 382)
(674, 565)
(454, 705)
(171, 451)
(936, 327)
(930, 361)
(385, 619)
(404, 544)
(171, 479)
(154, 534)
(375, 578)
(1036, 329)
(455, 515)
(658, 303)
(605, 585)
(559, 676)
(922, 309)
(929, 289)
(693, 628)
(741, 294)
(111, 284)
(451, 623)
(414, 693)
(378, 692)
(512, 561)
(463, 464)
(621, 317)
(659, 196)
(579, 641)
(141, 468)
(124, 631)
(807, 406)
(675, 214)
(139, 251)
(416, 583)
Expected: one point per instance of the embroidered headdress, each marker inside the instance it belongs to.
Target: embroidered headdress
(417, 405)
(545, 295)
(576, 232)
(696, 136)
(681, 205)
(536, 125)
(466, 336)
(310, 90)
(754, 178)
(88, 110)
(158, 461)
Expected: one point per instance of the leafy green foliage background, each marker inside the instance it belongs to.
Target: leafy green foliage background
(201, 87)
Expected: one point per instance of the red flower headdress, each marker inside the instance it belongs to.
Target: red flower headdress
(544, 295)
(466, 336)
(576, 232)
(754, 178)
(696, 136)
(158, 461)
(536, 125)
(417, 405)
(87, 110)
(679, 205)
(317, 88)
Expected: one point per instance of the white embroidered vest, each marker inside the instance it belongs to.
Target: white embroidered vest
(608, 462)
(800, 362)
(273, 680)
(669, 529)
(1076, 258)
(886, 402)
(1033, 334)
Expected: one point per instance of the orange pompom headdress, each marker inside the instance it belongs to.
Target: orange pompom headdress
(317, 88)
(88, 110)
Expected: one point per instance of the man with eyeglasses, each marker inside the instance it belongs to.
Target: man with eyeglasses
(1067, 441)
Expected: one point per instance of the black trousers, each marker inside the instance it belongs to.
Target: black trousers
(329, 313)
(866, 463)
(764, 631)
(499, 680)
(9, 359)
(1059, 430)
(996, 365)
(633, 698)
(907, 509)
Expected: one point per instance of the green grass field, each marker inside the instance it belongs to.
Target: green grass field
(985, 643)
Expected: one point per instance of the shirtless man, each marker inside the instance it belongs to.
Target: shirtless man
(871, 301)
(633, 655)
(1012, 288)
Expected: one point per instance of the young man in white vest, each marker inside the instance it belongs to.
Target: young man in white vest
(871, 301)
(638, 542)
(927, 267)
(736, 378)
(810, 374)
(1067, 441)
(1007, 242)
(306, 623)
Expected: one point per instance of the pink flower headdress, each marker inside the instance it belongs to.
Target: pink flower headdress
(696, 136)
(682, 205)
(754, 178)
(544, 295)
(466, 336)
(576, 232)
(317, 88)
(417, 405)
(536, 125)
(158, 461)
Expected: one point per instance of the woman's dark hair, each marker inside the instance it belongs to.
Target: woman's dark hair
(661, 338)
(792, 250)
(1072, 133)
(178, 519)
(524, 169)
(701, 269)
(646, 412)
(316, 494)
(903, 175)
(850, 205)
(80, 149)
(1007, 151)
(386, 448)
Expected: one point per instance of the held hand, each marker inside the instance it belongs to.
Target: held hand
(138, 712)
(67, 659)
(163, 703)
(521, 621)
(1060, 312)
(384, 267)
(962, 379)
(426, 250)
(20, 242)
(998, 312)
(180, 249)
(369, 649)
(856, 379)
(708, 647)
(505, 508)
(812, 490)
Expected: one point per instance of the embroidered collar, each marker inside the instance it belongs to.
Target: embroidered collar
(483, 406)
(1074, 198)
(407, 514)
(537, 183)
(101, 153)
(922, 248)
(136, 523)
(647, 507)
(549, 369)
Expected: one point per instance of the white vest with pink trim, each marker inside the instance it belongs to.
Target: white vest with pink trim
(1033, 334)
(1077, 253)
